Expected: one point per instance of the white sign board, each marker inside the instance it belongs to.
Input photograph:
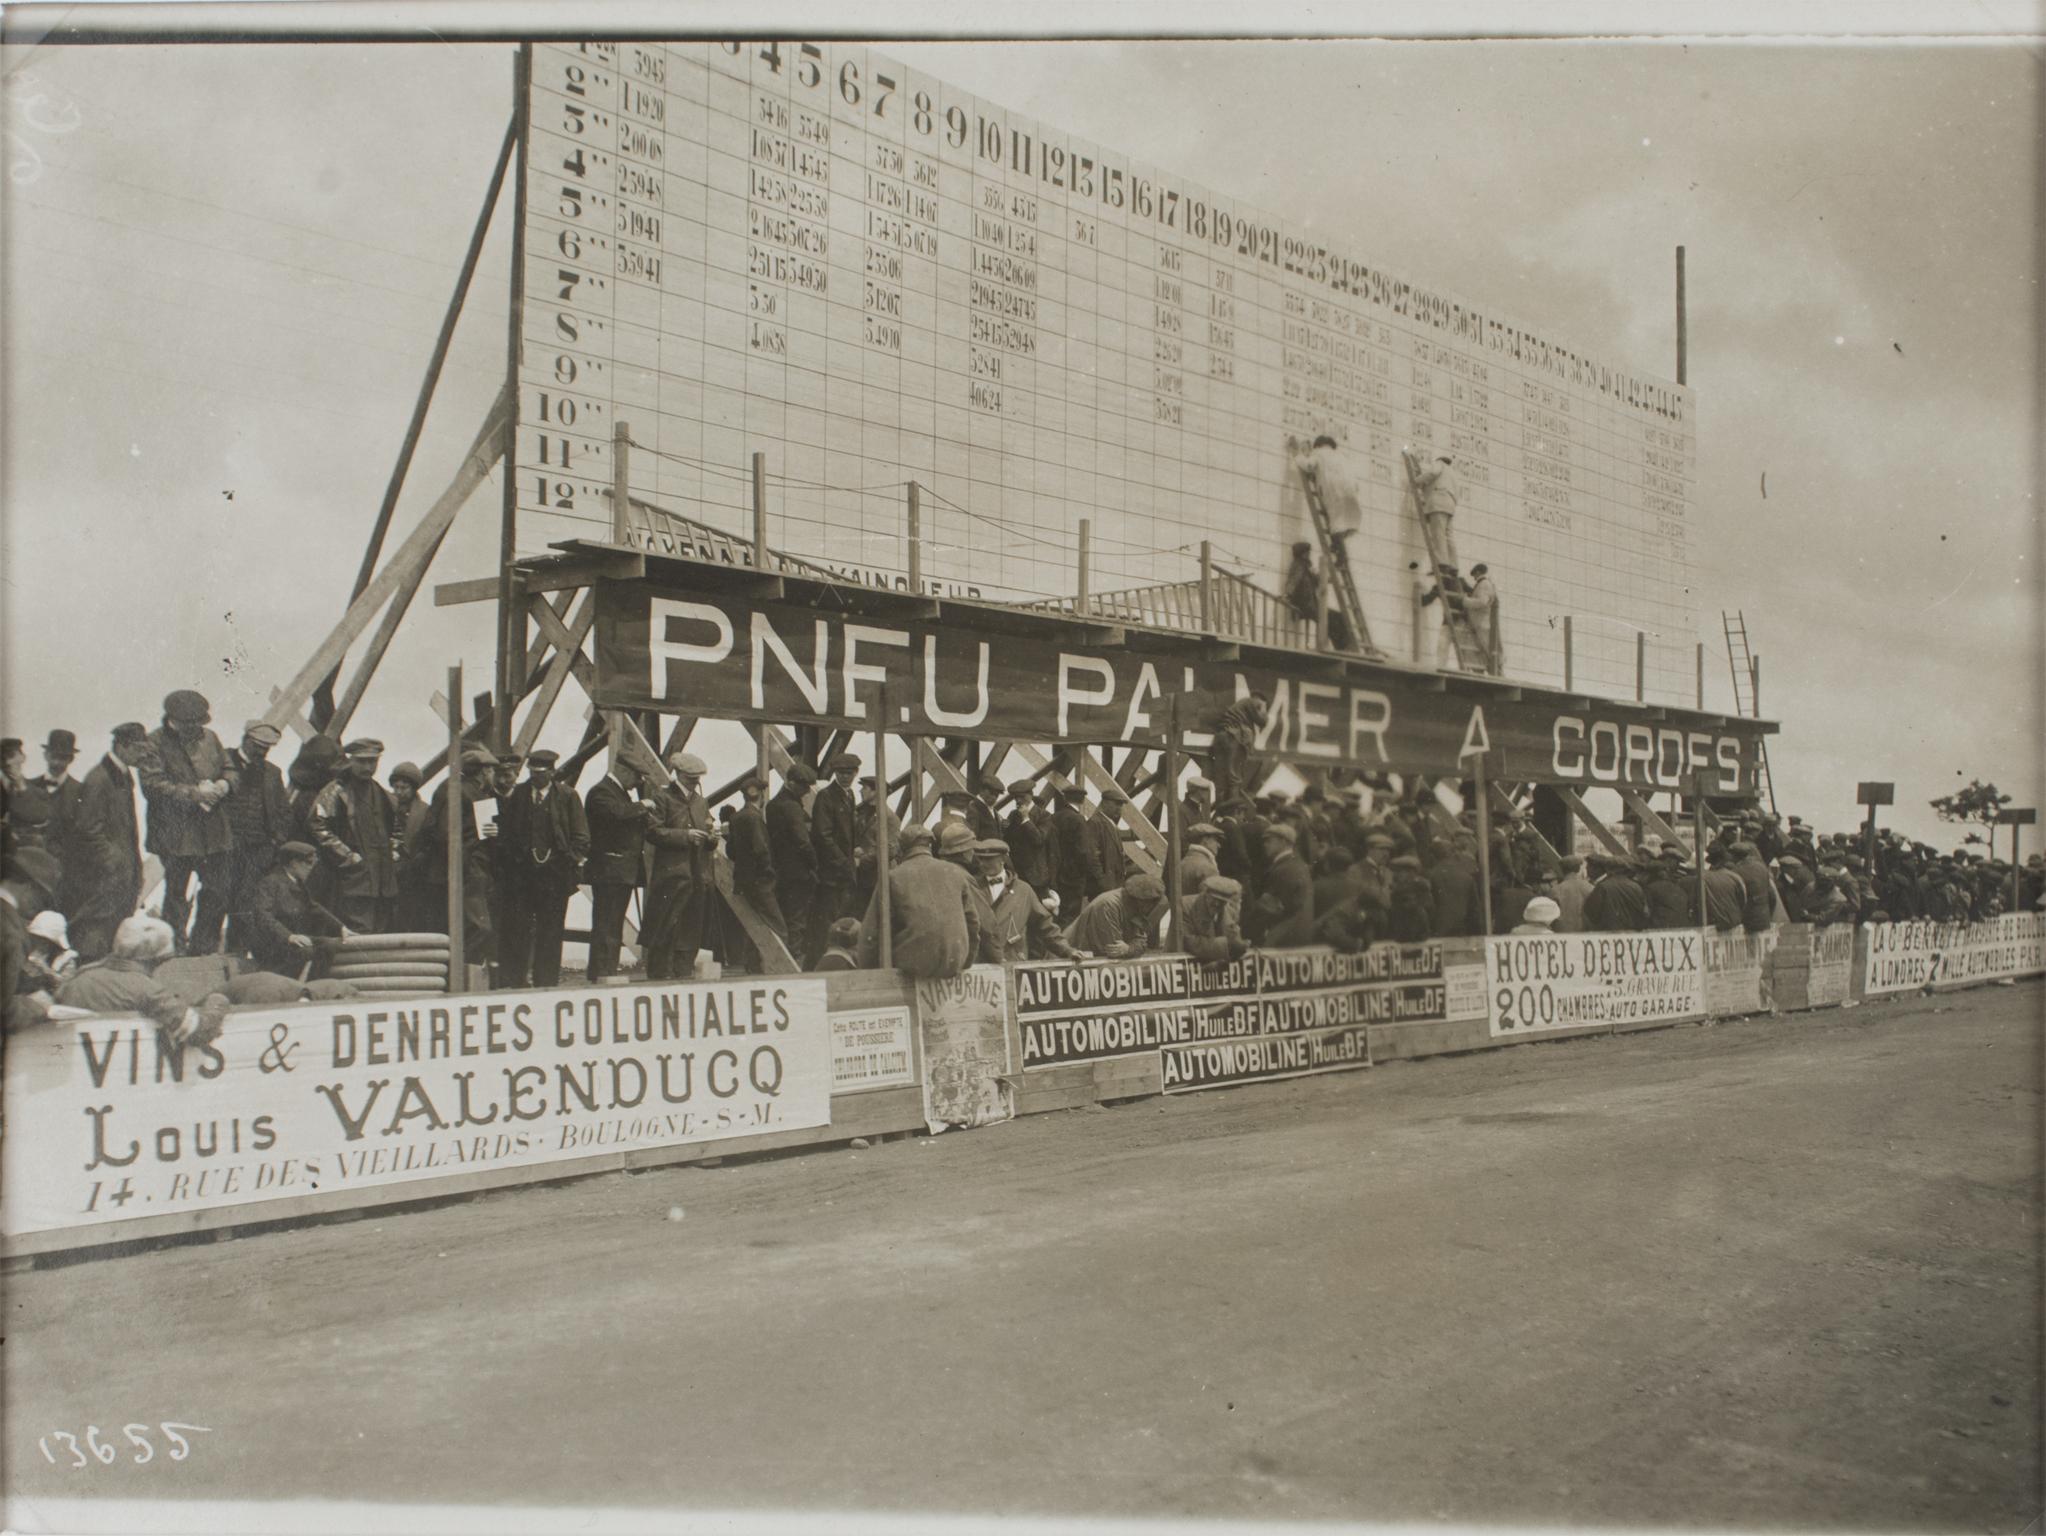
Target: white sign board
(812, 251)
(1542, 983)
(871, 1049)
(105, 1122)
(1903, 957)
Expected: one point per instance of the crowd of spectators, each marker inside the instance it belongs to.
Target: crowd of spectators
(277, 867)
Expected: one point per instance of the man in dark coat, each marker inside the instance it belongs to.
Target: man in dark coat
(1454, 876)
(1670, 892)
(28, 886)
(1615, 904)
(1014, 923)
(282, 924)
(1106, 830)
(1214, 929)
(110, 869)
(679, 889)
(1032, 839)
(867, 816)
(56, 795)
(1118, 924)
(543, 839)
(184, 779)
(832, 833)
(1411, 917)
(752, 854)
(429, 861)
(1283, 914)
(1758, 912)
(355, 826)
(980, 811)
(1079, 854)
(933, 930)
(1726, 894)
(258, 810)
(617, 828)
(794, 857)
(1230, 763)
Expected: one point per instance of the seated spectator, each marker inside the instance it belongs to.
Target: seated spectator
(841, 946)
(123, 983)
(1213, 919)
(1117, 923)
(51, 959)
(1411, 915)
(286, 929)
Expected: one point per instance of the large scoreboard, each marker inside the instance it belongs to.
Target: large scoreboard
(814, 252)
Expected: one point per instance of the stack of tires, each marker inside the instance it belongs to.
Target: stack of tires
(393, 964)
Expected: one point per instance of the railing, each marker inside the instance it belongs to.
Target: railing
(1236, 608)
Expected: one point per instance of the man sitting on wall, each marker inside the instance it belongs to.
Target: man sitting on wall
(1116, 925)
(124, 983)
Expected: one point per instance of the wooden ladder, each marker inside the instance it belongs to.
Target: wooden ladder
(1740, 659)
(1336, 563)
(1471, 654)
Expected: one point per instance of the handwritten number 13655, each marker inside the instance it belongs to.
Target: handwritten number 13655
(104, 1452)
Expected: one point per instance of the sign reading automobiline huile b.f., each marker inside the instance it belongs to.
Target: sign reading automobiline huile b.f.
(109, 1122)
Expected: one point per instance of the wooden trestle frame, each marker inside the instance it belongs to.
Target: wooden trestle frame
(547, 608)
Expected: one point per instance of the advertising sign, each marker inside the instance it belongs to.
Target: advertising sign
(724, 655)
(1832, 965)
(105, 1121)
(1904, 957)
(965, 1027)
(871, 1049)
(1737, 970)
(1544, 982)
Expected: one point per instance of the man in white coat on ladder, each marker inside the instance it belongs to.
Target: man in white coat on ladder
(1439, 487)
(1337, 482)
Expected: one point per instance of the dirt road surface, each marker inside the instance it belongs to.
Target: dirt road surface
(1764, 1273)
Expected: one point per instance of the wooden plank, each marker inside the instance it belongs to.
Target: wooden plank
(1441, 1037)
(452, 594)
(557, 673)
(296, 720)
(380, 642)
(412, 555)
(1571, 798)
(1638, 803)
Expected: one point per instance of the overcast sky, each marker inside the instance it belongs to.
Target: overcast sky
(224, 267)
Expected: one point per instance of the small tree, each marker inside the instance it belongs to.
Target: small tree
(1976, 804)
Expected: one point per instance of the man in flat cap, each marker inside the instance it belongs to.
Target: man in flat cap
(1214, 921)
(617, 826)
(1440, 488)
(355, 827)
(1032, 839)
(752, 854)
(110, 855)
(282, 925)
(933, 926)
(981, 814)
(1616, 903)
(833, 832)
(1079, 857)
(1118, 924)
(867, 816)
(1014, 922)
(404, 782)
(427, 861)
(1199, 857)
(184, 779)
(1283, 914)
(1106, 830)
(679, 887)
(795, 858)
(259, 811)
(543, 839)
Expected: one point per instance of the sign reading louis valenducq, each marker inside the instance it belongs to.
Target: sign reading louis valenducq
(108, 1120)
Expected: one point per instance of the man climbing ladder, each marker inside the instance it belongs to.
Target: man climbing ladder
(1338, 513)
(1434, 491)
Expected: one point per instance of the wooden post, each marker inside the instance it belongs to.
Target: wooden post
(2016, 866)
(916, 539)
(1484, 844)
(1701, 674)
(458, 974)
(1695, 786)
(427, 385)
(1682, 323)
(1640, 666)
(1207, 587)
(882, 914)
(1086, 540)
(760, 558)
(1173, 831)
(1755, 683)
(511, 616)
(1868, 840)
(621, 482)
(1569, 657)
